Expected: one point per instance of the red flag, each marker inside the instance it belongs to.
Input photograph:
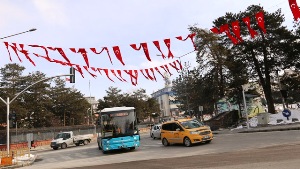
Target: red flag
(295, 9)
(180, 65)
(156, 68)
(113, 72)
(191, 36)
(107, 74)
(104, 48)
(236, 30)
(260, 20)
(150, 77)
(145, 48)
(83, 53)
(253, 33)
(118, 54)
(144, 74)
(16, 49)
(120, 74)
(156, 43)
(86, 68)
(215, 30)
(62, 53)
(166, 69)
(46, 51)
(167, 42)
(225, 28)
(133, 76)
(173, 64)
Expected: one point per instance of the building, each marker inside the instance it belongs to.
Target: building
(166, 100)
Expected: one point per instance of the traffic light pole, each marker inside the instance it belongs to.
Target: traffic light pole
(7, 102)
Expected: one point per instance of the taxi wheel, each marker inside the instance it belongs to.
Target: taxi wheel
(187, 142)
(165, 142)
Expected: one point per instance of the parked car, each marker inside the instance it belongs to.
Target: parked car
(185, 131)
(155, 131)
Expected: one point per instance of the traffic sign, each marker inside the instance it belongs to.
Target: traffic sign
(286, 113)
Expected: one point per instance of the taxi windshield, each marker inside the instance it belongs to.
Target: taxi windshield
(191, 124)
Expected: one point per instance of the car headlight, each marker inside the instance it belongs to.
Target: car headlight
(194, 132)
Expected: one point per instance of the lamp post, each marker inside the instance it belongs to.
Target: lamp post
(245, 88)
(88, 116)
(280, 88)
(30, 30)
(8, 102)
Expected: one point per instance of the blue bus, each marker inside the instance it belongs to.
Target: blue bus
(118, 129)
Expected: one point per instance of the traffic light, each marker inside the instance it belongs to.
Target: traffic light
(13, 119)
(72, 77)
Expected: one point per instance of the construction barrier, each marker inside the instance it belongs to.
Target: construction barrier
(7, 159)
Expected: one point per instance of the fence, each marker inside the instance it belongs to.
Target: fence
(20, 135)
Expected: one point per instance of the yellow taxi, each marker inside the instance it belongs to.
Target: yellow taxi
(185, 131)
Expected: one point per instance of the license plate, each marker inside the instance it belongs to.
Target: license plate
(206, 137)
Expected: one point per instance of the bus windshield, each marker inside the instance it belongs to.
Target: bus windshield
(116, 124)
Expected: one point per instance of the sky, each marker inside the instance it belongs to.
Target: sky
(107, 23)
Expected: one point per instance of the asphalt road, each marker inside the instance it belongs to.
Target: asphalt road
(274, 157)
(226, 150)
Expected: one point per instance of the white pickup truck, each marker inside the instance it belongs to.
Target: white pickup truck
(65, 139)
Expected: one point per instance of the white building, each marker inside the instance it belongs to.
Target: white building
(93, 102)
(167, 104)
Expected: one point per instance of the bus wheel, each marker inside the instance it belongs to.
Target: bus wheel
(99, 147)
(165, 142)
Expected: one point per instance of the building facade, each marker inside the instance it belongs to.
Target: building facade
(166, 99)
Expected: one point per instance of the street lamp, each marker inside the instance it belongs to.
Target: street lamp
(8, 102)
(30, 30)
(245, 88)
(88, 117)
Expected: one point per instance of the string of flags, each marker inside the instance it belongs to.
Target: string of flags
(148, 73)
(235, 27)
(231, 30)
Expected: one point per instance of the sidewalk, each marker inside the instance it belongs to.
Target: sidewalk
(269, 128)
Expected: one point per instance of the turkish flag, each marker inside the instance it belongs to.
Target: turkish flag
(83, 52)
(104, 48)
(168, 44)
(156, 43)
(145, 48)
(295, 9)
(118, 54)
(133, 76)
(253, 33)
(191, 36)
(260, 20)
(215, 30)
(225, 28)
(236, 30)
